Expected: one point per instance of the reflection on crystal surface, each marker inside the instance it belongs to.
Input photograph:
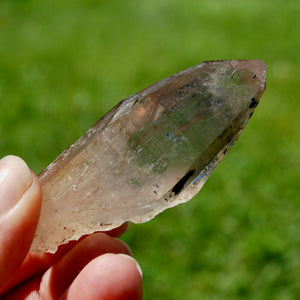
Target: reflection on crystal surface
(154, 150)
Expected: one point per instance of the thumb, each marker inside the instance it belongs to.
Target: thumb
(20, 204)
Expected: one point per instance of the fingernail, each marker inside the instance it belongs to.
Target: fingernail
(136, 263)
(15, 179)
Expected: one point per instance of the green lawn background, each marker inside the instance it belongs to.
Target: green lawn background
(63, 64)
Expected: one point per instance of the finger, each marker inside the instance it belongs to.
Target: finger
(109, 276)
(59, 277)
(35, 264)
(117, 232)
(20, 203)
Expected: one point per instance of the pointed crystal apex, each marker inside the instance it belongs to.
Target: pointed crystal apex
(154, 150)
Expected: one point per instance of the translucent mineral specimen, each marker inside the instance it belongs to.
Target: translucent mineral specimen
(154, 150)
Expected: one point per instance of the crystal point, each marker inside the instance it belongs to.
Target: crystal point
(154, 150)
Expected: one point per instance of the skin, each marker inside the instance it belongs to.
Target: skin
(98, 266)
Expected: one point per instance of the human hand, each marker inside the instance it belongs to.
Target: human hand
(98, 266)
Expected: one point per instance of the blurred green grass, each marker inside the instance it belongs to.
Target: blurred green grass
(63, 64)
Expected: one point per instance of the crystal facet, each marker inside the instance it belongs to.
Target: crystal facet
(154, 150)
